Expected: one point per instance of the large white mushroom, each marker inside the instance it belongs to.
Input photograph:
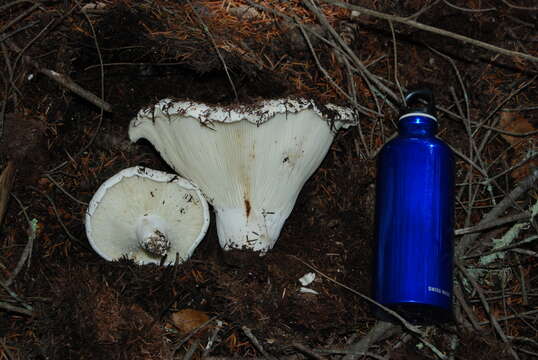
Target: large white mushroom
(145, 214)
(250, 161)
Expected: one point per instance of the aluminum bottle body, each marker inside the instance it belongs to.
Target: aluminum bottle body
(414, 222)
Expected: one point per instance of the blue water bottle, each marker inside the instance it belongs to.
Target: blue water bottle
(415, 217)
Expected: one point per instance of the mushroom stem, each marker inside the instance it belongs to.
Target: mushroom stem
(151, 235)
(258, 231)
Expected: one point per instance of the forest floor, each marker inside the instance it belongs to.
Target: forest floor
(76, 73)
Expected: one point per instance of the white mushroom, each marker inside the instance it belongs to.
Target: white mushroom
(250, 161)
(146, 214)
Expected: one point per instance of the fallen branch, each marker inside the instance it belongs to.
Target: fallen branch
(432, 29)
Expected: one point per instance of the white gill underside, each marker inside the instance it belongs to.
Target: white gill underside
(251, 174)
(136, 206)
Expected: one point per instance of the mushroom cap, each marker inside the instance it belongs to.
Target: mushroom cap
(137, 199)
(250, 161)
(257, 113)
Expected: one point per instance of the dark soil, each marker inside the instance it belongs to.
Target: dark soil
(86, 307)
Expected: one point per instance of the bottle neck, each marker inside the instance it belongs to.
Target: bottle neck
(417, 124)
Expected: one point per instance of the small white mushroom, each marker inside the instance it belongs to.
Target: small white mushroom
(250, 161)
(146, 214)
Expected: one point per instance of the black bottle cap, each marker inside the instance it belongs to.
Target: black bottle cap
(420, 100)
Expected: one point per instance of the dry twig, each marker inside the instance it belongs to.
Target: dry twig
(356, 61)
(497, 222)
(432, 29)
(213, 42)
(192, 349)
(8, 307)
(15, 296)
(412, 328)
(192, 333)
(27, 252)
(54, 208)
(102, 89)
(65, 191)
(468, 311)
(528, 8)
(6, 183)
(63, 80)
(359, 348)
(13, 3)
(508, 201)
(255, 342)
(351, 353)
(212, 339)
(302, 348)
(492, 318)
